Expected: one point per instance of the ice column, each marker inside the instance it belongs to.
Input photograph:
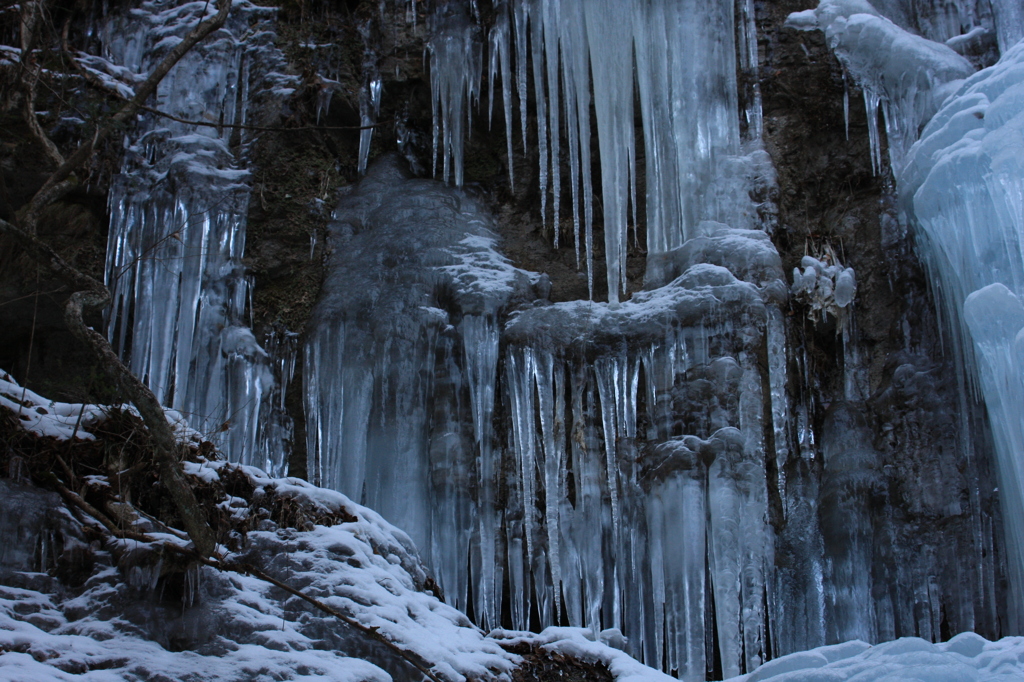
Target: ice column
(177, 232)
(401, 374)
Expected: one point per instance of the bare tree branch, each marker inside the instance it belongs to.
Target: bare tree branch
(166, 449)
(30, 13)
(91, 294)
(142, 93)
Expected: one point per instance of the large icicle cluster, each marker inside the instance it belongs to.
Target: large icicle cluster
(650, 452)
(679, 56)
(964, 188)
(177, 230)
(401, 367)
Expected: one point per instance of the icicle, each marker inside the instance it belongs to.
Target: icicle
(846, 106)
(501, 56)
(537, 58)
(521, 16)
(874, 136)
(611, 60)
(480, 344)
(369, 109)
(456, 67)
(550, 9)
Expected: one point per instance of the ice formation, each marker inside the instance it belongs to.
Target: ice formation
(608, 388)
(404, 343)
(631, 466)
(905, 75)
(825, 286)
(679, 56)
(626, 467)
(177, 228)
(963, 188)
(409, 366)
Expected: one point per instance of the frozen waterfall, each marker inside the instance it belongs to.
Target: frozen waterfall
(646, 467)
(177, 229)
(640, 466)
(964, 188)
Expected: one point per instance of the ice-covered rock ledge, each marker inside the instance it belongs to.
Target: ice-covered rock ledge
(907, 75)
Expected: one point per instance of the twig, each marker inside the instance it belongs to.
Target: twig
(76, 500)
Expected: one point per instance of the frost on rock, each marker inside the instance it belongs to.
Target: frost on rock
(906, 75)
(962, 189)
(178, 213)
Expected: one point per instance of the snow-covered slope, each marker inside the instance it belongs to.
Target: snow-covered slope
(139, 612)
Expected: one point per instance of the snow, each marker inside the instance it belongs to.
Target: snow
(965, 658)
(45, 417)
(35, 655)
(65, 421)
(240, 627)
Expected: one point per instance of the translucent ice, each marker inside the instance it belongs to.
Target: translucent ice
(401, 365)
(906, 75)
(177, 227)
(963, 188)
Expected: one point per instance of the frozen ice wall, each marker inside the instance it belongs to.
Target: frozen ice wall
(642, 494)
(681, 59)
(964, 189)
(563, 454)
(401, 368)
(178, 217)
